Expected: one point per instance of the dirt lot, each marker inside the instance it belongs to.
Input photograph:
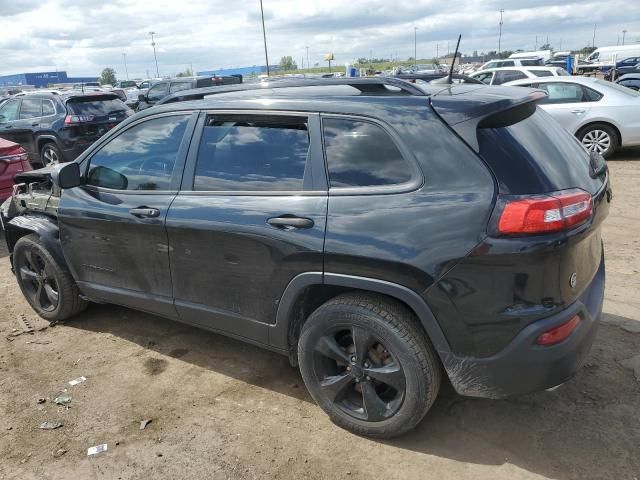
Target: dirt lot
(223, 409)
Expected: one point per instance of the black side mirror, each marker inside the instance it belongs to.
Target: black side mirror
(142, 97)
(66, 175)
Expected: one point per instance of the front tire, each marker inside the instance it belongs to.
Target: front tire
(48, 288)
(600, 138)
(368, 365)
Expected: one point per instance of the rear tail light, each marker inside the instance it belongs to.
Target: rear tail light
(75, 119)
(13, 155)
(559, 333)
(552, 212)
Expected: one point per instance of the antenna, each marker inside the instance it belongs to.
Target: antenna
(455, 55)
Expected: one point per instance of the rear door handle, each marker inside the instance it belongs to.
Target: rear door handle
(145, 212)
(35, 124)
(578, 111)
(290, 221)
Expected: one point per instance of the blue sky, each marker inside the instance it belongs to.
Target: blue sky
(84, 37)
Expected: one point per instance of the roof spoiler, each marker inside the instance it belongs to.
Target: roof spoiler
(489, 108)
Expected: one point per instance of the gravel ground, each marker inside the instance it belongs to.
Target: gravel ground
(222, 409)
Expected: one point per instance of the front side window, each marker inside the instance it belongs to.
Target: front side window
(484, 77)
(30, 108)
(176, 87)
(362, 154)
(9, 111)
(252, 153)
(505, 76)
(158, 92)
(141, 158)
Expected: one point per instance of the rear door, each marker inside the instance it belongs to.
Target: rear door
(113, 225)
(9, 114)
(250, 217)
(27, 125)
(569, 103)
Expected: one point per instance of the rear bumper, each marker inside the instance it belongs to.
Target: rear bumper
(523, 366)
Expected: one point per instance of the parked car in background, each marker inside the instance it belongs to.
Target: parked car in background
(13, 160)
(613, 74)
(630, 80)
(126, 84)
(435, 78)
(380, 234)
(498, 76)
(164, 88)
(602, 115)
(426, 68)
(604, 57)
(57, 128)
(512, 62)
(558, 59)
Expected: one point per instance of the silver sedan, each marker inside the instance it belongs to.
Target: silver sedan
(602, 115)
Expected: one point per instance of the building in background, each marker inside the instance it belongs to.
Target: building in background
(41, 79)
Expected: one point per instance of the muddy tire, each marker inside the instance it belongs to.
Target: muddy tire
(368, 364)
(48, 288)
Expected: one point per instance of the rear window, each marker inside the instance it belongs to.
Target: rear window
(620, 89)
(536, 155)
(542, 73)
(98, 107)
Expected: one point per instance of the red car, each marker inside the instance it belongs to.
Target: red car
(13, 159)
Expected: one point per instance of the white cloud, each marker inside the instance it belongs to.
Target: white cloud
(83, 37)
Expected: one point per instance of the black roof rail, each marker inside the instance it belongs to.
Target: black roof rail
(371, 85)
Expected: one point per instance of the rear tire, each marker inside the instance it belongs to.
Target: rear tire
(599, 137)
(368, 364)
(50, 154)
(48, 288)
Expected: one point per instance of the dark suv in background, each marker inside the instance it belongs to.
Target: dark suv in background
(57, 128)
(382, 234)
(164, 88)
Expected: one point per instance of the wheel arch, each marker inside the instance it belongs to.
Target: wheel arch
(608, 123)
(44, 139)
(308, 291)
(45, 227)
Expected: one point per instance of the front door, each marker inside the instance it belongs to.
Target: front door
(568, 103)
(250, 216)
(9, 114)
(113, 226)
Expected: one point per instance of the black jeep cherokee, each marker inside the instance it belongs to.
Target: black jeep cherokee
(379, 233)
(56, 128)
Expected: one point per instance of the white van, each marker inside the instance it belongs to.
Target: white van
(603, 56)
(543, 55)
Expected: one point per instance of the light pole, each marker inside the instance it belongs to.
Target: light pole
(500, 33)
(124, 57)
(624, 34)
(264, 35)
(153, 44)
(308, 64)
(415, 45)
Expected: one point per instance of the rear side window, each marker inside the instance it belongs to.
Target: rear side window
(563, 92)
(141, 158)
(252, 153)
(530, 63)
(101, 107)
(536, 155)
(507, 64)
(505, 76)
(362, 154)
(31, 108)
(176, 87)
(48, 108)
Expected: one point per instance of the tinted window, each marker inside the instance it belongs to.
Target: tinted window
(48, 108)
(507, 64)
(141, 158)
(252, 153)
(158, 92)
(536, 155)
(31, 108)
(176, 87)
(96, 107)
(507, 76)
(568, 93)
(530, 63)
(542, 73)
(484, 77)
(362, 154)
(9, 111)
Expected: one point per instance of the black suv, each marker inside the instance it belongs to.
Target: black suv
(55, 128)
(382, 234)
(164, 88)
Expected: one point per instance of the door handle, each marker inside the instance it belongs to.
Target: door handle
(290, 221)
(578, 111)
(35, 124)
(145, 212)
